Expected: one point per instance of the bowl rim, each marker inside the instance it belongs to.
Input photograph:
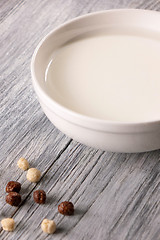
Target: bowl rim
(78, 118)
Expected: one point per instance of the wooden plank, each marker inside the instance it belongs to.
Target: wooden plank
(115, 194)
(25, 131)
(7, 7)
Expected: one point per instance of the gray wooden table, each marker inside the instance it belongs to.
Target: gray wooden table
(116, 196)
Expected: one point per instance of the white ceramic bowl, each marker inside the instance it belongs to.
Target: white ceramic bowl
(101, 134)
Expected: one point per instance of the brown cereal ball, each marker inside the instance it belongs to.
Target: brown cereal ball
(13, 198)
(39, 196)
(13, 186)
(66, 208)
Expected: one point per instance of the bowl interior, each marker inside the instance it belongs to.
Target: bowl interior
(128, 23)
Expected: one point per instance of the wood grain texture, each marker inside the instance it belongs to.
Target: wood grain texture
(116, 196)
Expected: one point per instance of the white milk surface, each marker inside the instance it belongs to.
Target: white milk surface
(110, 77)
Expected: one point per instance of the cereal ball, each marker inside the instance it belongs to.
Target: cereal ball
(48, 226)
(13, 198)
(39, 196)
(13, 186)
(66, 208)
(23, 164)
(8, 224)
(33, 175)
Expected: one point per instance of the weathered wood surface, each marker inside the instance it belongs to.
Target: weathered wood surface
(116, 196)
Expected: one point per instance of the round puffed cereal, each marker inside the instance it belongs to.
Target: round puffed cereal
(13, 186)
(13, 198)
(23, 164)
(66, 208)
(39, 196)
(33, 175)
(8, 224)
(48, 226)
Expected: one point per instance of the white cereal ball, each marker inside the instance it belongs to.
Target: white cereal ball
(48, 226)
(8, 224)
(33, 175)
(23, 164)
